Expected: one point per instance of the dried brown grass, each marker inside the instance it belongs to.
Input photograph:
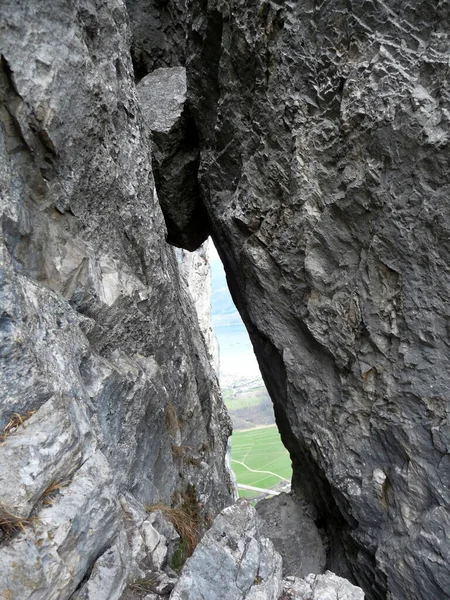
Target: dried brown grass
(14, 423)
(53, 487)
(11, 522)
(172, 424)
(185, 516)
(144, 585)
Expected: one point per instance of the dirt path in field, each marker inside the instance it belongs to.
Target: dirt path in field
(257, 471)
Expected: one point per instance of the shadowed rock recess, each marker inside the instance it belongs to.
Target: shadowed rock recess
(311, 139)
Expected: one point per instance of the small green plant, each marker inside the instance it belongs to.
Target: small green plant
(180, 555)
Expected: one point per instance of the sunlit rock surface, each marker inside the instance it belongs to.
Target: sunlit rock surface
(102, 356)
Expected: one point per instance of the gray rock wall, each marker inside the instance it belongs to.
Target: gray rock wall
(99, 336)
(325, 171)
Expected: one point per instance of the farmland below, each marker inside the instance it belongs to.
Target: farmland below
(249, 404)
(258, 456)
(260, 460)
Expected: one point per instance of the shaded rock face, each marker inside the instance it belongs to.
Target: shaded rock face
(324, 169)
(102, 355)
(286, 522)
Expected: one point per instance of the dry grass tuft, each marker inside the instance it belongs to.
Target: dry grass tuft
(53, 487)
(11, 523)
(178, 451)
(14, 423)
(172, 423)
(144, 585)
(184, 515)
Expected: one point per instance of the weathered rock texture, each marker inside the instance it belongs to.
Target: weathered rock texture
(286, 522)
(196, 269)
(175, 155)
(324, 130)
(99, 336)
(320, 587)
(235, 561)
(324, 173)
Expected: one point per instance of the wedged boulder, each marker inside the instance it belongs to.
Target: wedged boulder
(175, 155)
(294, 534)
(233, 561)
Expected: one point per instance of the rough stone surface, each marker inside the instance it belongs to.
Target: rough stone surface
(293, 533)
(98, 333)
(196, 269)
(233, 561)
(324, 135)
(175, 155)
(320, 587)
(158, 34)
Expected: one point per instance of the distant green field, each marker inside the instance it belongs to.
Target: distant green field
(260, 450)
(237, 399)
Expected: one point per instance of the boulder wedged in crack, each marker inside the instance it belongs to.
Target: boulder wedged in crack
(175, 155)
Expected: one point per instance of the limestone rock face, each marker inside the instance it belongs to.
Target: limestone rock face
(235, 561)
(196, 269)
(232, 562)
(106, 384)
(324, 134)
(320, 587)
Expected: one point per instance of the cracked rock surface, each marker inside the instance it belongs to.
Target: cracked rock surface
(103, 364)
(285, 521)
(235, 561)
(324, 135)
(232, 562)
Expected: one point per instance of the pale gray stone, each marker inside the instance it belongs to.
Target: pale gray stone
(66, 539)
(156, 544)
(43, 452)
(98, 333)
(320, 587)
(108, 577)
(232, 562)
